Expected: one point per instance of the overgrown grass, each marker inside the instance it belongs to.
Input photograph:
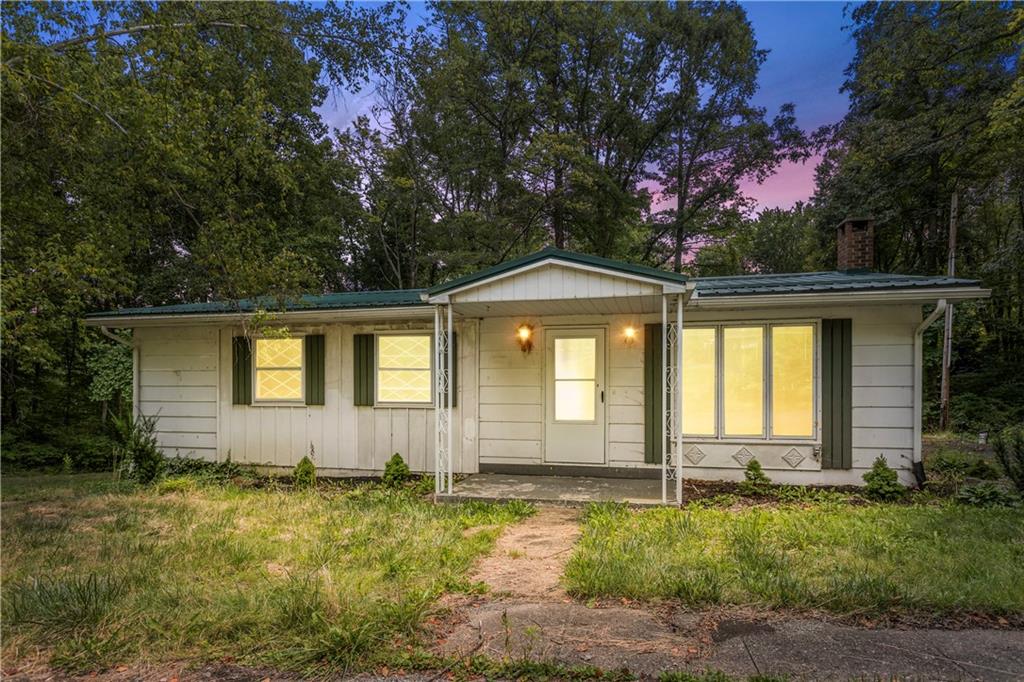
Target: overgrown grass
(873, 559)
(98, 573)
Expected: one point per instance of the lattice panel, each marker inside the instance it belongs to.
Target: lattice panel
(279, 352)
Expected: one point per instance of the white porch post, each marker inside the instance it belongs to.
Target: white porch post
(664, 400)
(678, 449)
(442, 399)
(450, 393)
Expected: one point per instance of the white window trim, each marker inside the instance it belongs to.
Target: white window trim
(377, 402)
(298, 402)
(766, 435)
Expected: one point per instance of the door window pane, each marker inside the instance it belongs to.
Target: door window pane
(279, 369)
(793, 381)
(699, 399)
(403, 368)
(743, 380)
(575, 383)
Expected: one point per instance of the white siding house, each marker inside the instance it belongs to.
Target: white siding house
(559, 361)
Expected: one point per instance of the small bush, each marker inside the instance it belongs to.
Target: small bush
(139, 457)
(755, 482)
(987, 494)
(396, 471)
(304, 475)
(175, 484)
(1009, 447)
(883, 483)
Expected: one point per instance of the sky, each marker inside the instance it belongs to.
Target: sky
(808, 52)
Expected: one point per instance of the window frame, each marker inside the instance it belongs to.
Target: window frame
(431, 361)
(278, 402)
(767, 425)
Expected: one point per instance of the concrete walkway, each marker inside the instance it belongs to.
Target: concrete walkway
(564, 490)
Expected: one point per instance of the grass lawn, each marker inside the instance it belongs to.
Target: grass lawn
(98, 573)
(941, 559)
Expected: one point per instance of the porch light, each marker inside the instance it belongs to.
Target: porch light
(524, 335)
(629, 333)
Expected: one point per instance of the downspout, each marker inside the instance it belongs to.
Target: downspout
(918, 463)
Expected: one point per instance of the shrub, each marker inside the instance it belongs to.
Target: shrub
(883, 483)
(304, 476)
(1009, 447)
(986, 494)
(396, 471)
(755, 482)
(175, 484)
(139, 457)
(950, 464)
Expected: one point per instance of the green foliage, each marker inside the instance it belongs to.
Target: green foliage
(755, 482)
(304, 475)
(987, 494)
(1009, 449)
(110, 365)
(396, 471)
(883, 483)
(138, 457)
(953, 463)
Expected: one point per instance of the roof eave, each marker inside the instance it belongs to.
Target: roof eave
(313, 316)
(887, 296)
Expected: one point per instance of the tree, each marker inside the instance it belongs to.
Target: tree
(715, 137)
(163, 152)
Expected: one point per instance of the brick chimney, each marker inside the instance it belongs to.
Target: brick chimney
(855, 244)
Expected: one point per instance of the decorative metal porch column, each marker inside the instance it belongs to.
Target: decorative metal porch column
(443, 362)
(672, 398)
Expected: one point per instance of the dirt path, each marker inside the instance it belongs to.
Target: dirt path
(529, 557)
(527, 615)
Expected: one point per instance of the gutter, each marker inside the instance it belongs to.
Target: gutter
(847, 297)
(918, 463)
(114, 337)
(232, 317)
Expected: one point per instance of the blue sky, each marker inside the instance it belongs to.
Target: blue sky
(808, 52)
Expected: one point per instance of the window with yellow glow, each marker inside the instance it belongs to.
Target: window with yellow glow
(279, 369)
(575, 379)
(699, 384)
(793, 380)
(743, 380)
(403, 369)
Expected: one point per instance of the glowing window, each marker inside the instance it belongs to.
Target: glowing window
(699, 373)
(575, 382)
(743, 380)
(403, 369)
(279, 369)
(793, 380)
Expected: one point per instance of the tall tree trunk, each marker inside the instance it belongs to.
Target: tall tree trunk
(947, 333)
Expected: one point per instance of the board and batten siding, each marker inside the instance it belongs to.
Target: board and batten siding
(178, 386)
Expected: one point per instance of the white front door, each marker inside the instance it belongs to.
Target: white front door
(574, 396)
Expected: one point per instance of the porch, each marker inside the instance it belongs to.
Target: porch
(565, 490)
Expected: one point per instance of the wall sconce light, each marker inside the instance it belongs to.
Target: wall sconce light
(629, 334)
(524, 335)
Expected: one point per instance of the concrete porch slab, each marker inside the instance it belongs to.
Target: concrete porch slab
(567, 490)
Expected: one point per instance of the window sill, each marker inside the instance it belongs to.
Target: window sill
(280, 403)
(748, 440)
(404, 406)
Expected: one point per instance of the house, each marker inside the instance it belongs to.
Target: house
(560, 363)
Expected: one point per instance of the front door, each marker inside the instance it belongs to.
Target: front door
(574, 396)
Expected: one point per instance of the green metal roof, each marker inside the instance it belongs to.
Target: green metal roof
(352, 300)
(820, 282)
(562, 255)
(707, 287)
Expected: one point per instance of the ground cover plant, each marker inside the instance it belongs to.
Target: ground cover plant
(99, 572)
(938, 559)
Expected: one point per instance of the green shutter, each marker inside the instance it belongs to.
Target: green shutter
(653, 444)
(455, 371)
(241, 371)
(837, 394)
(363, 369)
(314, 369)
